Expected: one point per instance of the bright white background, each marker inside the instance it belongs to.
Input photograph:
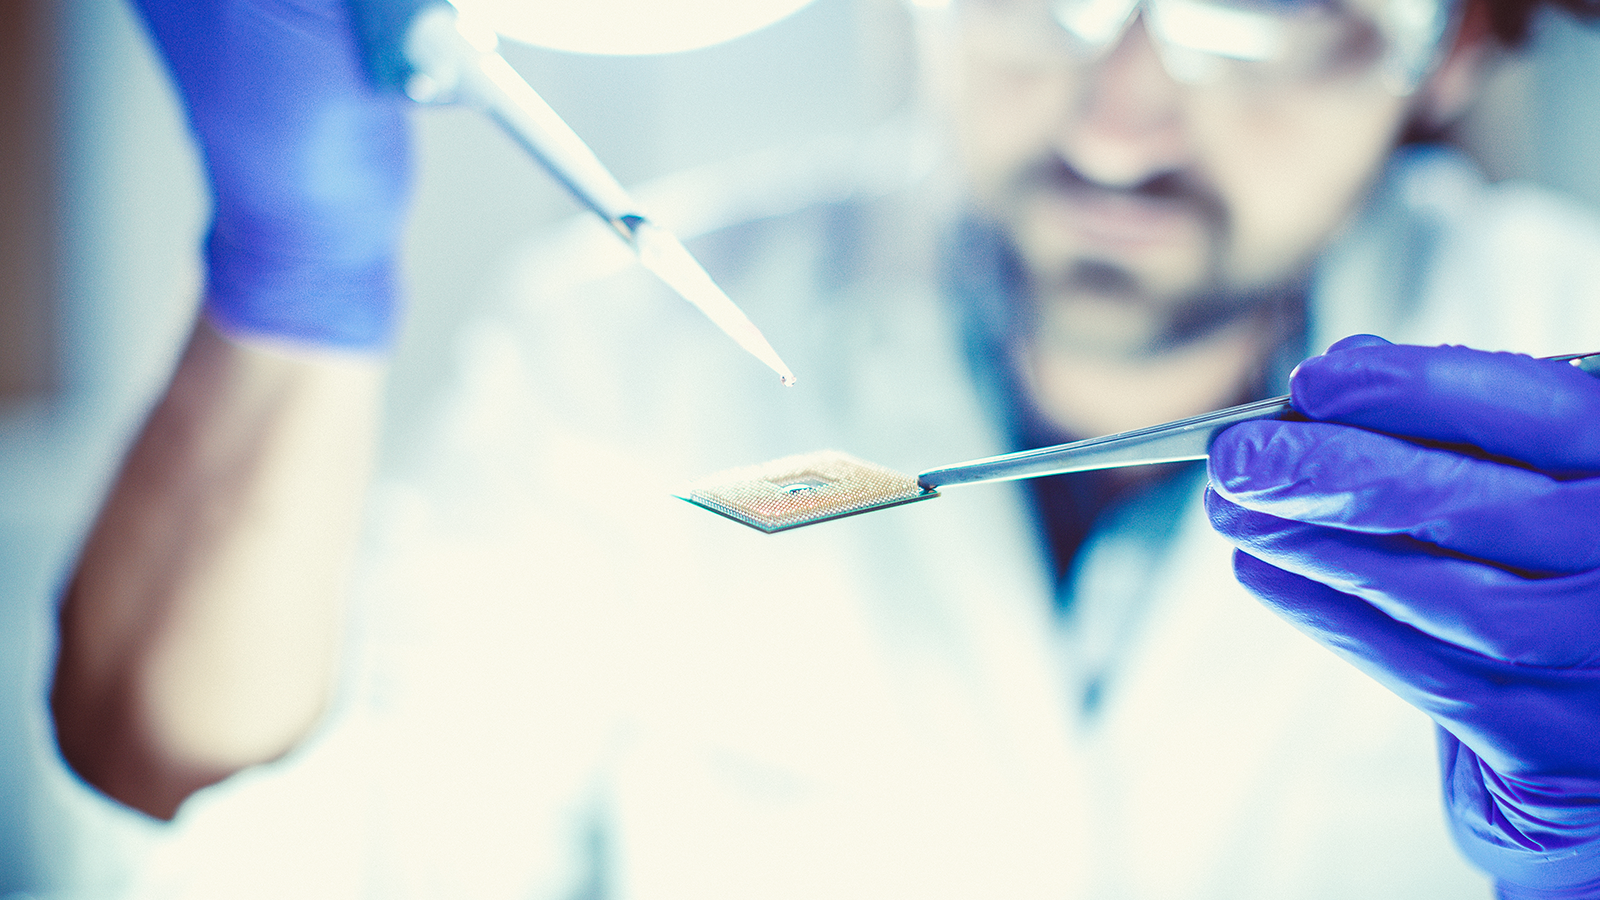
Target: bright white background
(132, 212)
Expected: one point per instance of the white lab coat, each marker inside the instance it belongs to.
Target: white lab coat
(573, 682)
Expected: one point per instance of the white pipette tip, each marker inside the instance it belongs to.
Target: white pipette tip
(662, 253)
(751, 339)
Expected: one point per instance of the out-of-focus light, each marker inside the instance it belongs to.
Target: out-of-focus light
(628, 26)
(1095, 23)
(1218, 30)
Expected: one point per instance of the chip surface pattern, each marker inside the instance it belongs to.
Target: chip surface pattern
(798, 490)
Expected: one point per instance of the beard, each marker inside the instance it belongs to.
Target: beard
(1089, 299)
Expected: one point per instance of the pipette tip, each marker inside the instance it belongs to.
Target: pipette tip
(663, 254)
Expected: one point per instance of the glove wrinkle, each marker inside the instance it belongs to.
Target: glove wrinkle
(1519, 828)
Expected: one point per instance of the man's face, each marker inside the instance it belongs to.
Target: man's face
(1141, 205)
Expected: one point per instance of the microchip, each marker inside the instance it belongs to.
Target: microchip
(799, 490)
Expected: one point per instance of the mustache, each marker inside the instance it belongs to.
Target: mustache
(1177, 187)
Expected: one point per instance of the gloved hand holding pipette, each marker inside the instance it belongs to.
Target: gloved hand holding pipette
(297, 107)
(309, 163)
(1435, 524)
(201, 629)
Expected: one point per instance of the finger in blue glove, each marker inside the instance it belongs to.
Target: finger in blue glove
(1539, 412)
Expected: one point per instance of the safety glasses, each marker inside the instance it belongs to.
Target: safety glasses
(1249, 43)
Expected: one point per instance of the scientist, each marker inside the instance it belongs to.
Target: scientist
(1163, 207)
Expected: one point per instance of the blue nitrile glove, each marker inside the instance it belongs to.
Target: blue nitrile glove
(1465, 577)
(310, 166)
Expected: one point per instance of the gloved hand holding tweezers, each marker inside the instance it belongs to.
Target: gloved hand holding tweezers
(1463, 573)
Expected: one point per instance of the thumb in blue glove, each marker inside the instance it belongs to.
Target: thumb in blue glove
(309, 165)
(1435, 523)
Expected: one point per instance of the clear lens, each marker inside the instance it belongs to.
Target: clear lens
(1224, 31)
(1285, 44)
(1244, 42)
(1094, 23)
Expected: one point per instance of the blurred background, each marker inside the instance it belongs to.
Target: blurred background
(102, 213)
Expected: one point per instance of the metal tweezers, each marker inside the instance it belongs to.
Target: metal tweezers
(1177, 441)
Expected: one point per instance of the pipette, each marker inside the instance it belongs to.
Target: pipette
(434, 54)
